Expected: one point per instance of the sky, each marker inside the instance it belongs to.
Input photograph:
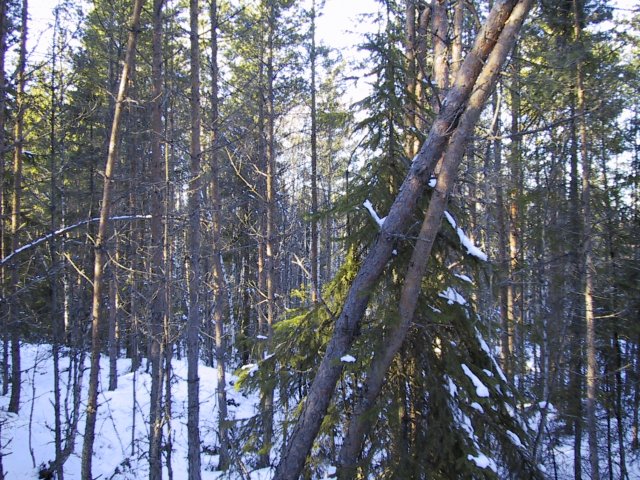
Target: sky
(338, 26)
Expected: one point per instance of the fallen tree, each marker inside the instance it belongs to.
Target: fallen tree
(456, 106)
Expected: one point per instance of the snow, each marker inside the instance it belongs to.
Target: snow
(549, 406)
(251, 368)
(481, 390)
(476, 406)
(348, 359)
(451, 387)
(452, 296)
(487, 350)
(464, 278)
(380, 221)
(434, 309)
(515, 439)
(120, 449)
(483, 344)
(261, 337)
(433, 181)
(465, 240)
(482, 461)
(450, 219)
(62, 230)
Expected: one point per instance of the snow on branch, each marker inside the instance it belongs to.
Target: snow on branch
(374, 214)
(481, 389)
(63, 230)
(466, 241)
(452, 296)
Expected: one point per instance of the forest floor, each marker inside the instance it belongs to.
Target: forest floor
(27, 440)
(121, 445)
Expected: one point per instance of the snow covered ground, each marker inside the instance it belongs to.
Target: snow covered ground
(27, 439)
(120, 451)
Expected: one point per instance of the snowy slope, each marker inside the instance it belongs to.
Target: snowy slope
(120, 452)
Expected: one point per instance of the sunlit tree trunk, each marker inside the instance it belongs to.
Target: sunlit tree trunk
(100, 247)
(313, 257)
(3, 250)
(270, 229)
(321, 391)
(587, 257)
(16, 206)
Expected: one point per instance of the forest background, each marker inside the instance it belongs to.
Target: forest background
(417, 259)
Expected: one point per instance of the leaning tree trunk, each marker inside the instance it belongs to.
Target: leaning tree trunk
(321, 391)
(100, 252)
(360, 422)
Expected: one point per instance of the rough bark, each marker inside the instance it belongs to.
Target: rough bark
(313, 255)
(193, 321)
(220, 293)
(439, 27)
(321, 391)
(100, 252)
(16, 206)
(3, 51)
(270, 232)
(411, 143)
(456, 41)
(158, 301)
(587, 257)
(360, 422)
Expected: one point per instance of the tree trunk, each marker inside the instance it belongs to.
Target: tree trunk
(313, 256)
(587, 259)
(321, 391)
(411, 288)
(112, 328)
(221, 306)
(158, 276)
(194, 269)
(439, 27)
(100, 251)
(14, 321)
(3, 249)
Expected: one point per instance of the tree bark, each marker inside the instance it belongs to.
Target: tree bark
(158, 277)
(101, 237)
(439, 27)
(587, 258)
(3, 313)
(194, 268)
(360, 423)
(321, 391)
(313, 256)
(220, 293)
(16, 206)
